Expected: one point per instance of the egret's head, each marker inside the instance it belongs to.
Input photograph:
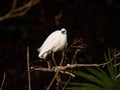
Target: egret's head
(63, 30)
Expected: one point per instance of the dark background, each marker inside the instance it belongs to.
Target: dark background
(97, 22)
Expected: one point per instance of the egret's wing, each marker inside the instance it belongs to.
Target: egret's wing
(50, 42)
(52, 37)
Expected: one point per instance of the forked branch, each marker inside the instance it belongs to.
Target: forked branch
(18, 11)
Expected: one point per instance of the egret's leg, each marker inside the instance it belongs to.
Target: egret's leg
(48, 63)
(63, 55)
(53, 58)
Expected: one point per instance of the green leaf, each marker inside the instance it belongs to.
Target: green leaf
(90, 77)
(88, 86)
(100, 74)
(110, 65)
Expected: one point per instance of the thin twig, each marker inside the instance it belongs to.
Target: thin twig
(72, 62)
(51, 70)
(57, 72)
(116, 64)
(28, 68)
(80, 46)
(67, 82)
(76, 52)
(117, 76)
(43, 69)
(13, 6)
(48, 88)
(118, 54)
(63, 56)
(3, 81)
(68, 73)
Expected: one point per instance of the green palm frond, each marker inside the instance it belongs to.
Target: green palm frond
(110, 66)
(99, 78)
(90, 77)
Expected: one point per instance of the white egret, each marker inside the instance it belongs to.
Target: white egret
(56, 41)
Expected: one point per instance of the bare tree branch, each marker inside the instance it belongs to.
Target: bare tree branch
(3, 81)
(117, 76)
(116, 64)
(63, 68)
(72, 62)
(57, 76)
(19, 11)
(13, 6)
(28, 69)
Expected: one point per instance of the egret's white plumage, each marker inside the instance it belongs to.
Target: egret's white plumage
(55, 41)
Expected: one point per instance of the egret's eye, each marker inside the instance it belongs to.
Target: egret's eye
(63, 31)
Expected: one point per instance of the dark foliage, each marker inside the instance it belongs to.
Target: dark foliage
(95, 21)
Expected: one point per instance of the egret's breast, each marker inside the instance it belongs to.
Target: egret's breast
(61, 43)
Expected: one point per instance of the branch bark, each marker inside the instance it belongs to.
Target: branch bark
(63, 68)
(28, 69)
(18, 11)
(3, 81)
